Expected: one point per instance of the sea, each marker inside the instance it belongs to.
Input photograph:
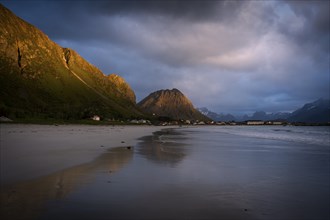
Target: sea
(196, 172)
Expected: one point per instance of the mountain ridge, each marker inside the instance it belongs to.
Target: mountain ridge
(313, 112)
(39, 78)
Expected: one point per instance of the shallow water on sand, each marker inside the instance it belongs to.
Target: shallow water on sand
(190, 173)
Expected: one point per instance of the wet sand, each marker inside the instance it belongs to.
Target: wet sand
(31, 151)
(187, 173)
(27, 199)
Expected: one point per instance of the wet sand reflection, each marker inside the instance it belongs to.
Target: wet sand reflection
(26, 200)
(159, 148)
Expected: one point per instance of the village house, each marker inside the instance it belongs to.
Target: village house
(278, 122)
(255, 122)
(141, 121)
(221, 123)
(96, 118)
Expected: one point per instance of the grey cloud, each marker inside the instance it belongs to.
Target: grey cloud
(68, 16)
(174, 36)
(315, 22)
(195, 10)
(315, 12)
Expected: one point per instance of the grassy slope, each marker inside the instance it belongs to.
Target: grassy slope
(36, 80)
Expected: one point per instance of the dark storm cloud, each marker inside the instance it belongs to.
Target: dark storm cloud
(311, 25)
(315, 13)
(63, 16)
(192, 10)
(197, 10)
(230, 56)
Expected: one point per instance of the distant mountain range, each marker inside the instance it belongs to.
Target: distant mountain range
(315, 112)
(261, 115)
(170, 103)
(38, 78)
(215, 116)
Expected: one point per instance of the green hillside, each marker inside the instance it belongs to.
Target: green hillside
(40, 79)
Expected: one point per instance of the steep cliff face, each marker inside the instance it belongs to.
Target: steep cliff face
(124, 89)
(38, 77)
(170, 103)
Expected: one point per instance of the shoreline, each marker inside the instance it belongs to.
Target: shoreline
(29, 151)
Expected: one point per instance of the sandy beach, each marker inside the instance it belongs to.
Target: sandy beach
(136, 172)
(31, 151)
(40, 163)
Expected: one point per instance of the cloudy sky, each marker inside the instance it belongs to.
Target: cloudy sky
(229, 56)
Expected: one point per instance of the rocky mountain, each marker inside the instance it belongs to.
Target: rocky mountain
(172, 104)
(315, 112)
(215, 116)
(38, 78)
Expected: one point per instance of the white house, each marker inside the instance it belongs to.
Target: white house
(96, 118)
(255, 122)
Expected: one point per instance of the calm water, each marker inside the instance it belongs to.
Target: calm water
(262, 172)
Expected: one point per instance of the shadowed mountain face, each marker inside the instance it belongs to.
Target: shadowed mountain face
(172, 104)
(316, 112)
(40, 78)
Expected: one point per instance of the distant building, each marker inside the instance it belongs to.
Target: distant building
(278, 122)
(221, 123)
(96, 118)
(275, 123)
(141, 121)
(255, 122)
